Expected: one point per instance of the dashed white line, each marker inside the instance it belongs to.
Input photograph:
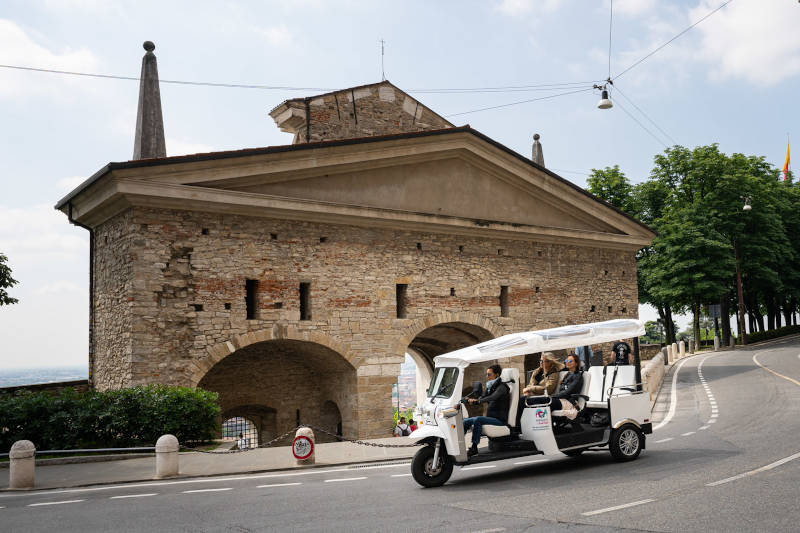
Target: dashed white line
(207, 490)
(133, 496)
(530, 462)
(278, 485)
(345, 479)
(688, 433)
(478, 467)
(703, 427)
(495, 530)
(400, 475)
(712, 421)
(756, 471)
(617, 507)
(664, 440)
(54, 503)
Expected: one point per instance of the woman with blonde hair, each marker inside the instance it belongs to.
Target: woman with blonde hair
(544, 380)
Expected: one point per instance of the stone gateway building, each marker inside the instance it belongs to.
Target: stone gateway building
(292, 280)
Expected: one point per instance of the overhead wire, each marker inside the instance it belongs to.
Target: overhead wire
(610, 21)
(653, 135)
(509, 104)
(667, 135)
(670, 41)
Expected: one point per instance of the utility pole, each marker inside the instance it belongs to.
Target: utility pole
(383, 72)
(741, 297)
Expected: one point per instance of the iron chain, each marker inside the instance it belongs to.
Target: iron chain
(315, 428)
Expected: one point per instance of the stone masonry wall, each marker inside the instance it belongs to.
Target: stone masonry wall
(365, 112)
(183, 260)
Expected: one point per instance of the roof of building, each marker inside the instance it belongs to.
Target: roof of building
(230, 154)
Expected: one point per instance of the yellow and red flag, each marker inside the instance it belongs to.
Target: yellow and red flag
(786, 164)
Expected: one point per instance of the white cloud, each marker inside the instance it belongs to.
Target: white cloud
(89, 6)
(182, 147)
(59, 286)
(633, 7)
(67, 184)
(755, 41)
(36, 235)
(279, 36)
(518, 7)
(19, 49)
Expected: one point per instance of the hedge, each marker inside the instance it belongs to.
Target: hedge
(107, 419)
(769, 334)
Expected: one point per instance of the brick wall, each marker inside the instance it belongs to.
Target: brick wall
(163, 264)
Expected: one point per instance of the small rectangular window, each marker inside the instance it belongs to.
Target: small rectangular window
(504, 300)
(609, 308)
(197, 307)
(251, 298)
(227, 307)
(591, 310)
(305, 301)
(452, 291)
(204, 231)
(401, 292)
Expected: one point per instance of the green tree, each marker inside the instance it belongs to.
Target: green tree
(6, 282)
(611, 185)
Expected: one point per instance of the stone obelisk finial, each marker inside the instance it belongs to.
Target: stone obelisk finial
(149, 140)
(538, 155)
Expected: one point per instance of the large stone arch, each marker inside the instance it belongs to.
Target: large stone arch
(220, 351)
(410, 332)
(282, 382)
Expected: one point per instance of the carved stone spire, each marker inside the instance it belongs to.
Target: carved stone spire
(149, 142)
(538, 155)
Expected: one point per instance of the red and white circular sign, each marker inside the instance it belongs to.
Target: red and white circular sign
(302, 447)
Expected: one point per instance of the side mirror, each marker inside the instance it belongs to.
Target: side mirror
(477, 388)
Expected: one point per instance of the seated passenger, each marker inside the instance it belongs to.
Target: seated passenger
(497, 395)
(544, 380)
(570, 385)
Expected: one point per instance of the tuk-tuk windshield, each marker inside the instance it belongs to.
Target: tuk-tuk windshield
(443, 382)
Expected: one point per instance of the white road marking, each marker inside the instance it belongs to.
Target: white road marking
(688, 433)
(400, 475)
(756, 471)
(673, 400)
(198, 480)
(495, 530)
(133, 496)
(345, 479)
(207, 490)
(664, 440)
(714, 414)
(713, 420)
(54, 503)
(530, 462)
(617, 507)
(478, 467)
(703, 427)
(278, 485)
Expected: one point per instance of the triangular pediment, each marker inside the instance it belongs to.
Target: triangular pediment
(454, 187)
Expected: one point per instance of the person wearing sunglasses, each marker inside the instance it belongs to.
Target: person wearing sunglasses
(497, 396)
(570, 385)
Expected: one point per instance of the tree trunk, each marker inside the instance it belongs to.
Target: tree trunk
(769, 302)
(696, 320)
(787, 312)
(669, 325)
(725, 315)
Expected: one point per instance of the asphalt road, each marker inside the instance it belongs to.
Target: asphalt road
(727, 459)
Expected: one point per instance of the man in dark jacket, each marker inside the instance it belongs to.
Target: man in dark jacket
(497, 395)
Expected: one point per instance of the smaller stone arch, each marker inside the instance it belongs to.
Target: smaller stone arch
(444, 317)
(220, 351)
(330, 419)
(261, 416)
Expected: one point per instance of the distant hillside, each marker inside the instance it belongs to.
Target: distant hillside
(30, 376)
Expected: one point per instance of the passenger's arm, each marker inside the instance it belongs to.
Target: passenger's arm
(498, 393)
(551, 385)
(573, 387)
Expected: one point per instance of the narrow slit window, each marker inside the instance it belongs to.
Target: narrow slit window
(419, 246)
(273, 236)
(461, 248)
(537, 289)
(204, 231)
(401, 292)
(305, 301)
(591, 310)
(251, 298)
(609, 308)
(452, 291)
(504, 300)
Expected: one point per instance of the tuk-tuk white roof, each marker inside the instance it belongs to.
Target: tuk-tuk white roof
(543, 340)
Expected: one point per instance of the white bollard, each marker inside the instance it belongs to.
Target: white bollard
(716, 343)
(675, 351)
(670, 357)
(682, 349)
(303, 446)
(167, 456)
(22, 458)
(665, 354)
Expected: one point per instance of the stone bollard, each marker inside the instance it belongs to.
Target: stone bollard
(733, 342)
(665, 354)
(668, 347)
(675, 353)
(303, 446)
(682, 349)
(167, 456)
(716, 343)
(22, 457)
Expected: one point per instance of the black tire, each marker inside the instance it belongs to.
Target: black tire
(626, 443)
(422, 471)
(574, 453)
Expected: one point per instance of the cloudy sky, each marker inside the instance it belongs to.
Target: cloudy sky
(729, 80)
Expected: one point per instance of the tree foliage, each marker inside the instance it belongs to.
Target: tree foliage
(6, 282)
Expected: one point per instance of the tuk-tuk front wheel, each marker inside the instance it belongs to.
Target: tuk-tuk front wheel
(425, 472)
(626, 443)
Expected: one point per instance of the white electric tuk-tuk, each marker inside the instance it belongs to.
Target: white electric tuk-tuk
(613, 410)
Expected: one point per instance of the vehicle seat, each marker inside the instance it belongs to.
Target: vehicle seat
(580, 402)
(625, 383)
(509, 376)
(602, 377)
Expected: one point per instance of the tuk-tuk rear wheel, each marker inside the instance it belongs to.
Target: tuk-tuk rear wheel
(425, 472)
(626, 443)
